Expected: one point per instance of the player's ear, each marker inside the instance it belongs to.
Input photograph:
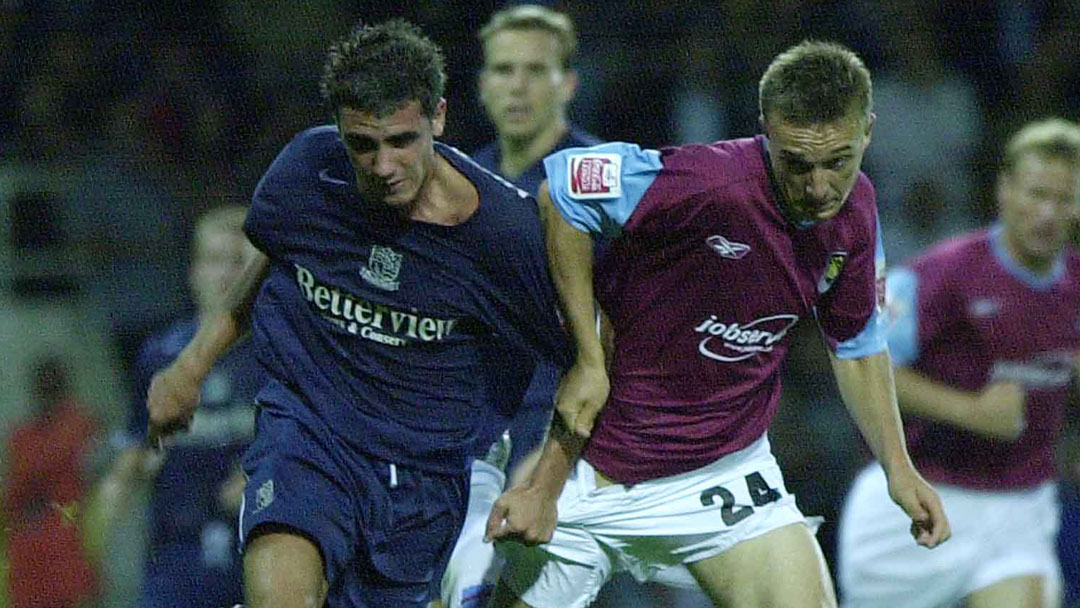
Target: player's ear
(1002, 190)
(481, 87)
(569, 85)
(438, 118)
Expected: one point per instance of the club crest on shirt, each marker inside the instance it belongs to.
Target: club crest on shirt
(594, 175)
(382, 268)
(836, 262)
(264, 495)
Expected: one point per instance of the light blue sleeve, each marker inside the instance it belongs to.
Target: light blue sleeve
(872, 339)
(902, 289)
(596, 189)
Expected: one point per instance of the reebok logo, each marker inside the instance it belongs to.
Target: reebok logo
(727, 249)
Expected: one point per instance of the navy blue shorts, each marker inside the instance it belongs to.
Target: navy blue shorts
(385, 531)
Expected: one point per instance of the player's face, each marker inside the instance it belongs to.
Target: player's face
(220, 256)
(392, 155)
(523, 86)
(816, 166)
(1038, 205)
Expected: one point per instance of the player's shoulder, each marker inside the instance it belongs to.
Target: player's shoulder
(604, 161)
(313, 143)
(958, 253)
(487, 156)
(491, 186)
(718, 163)
(863, 192)
(312, 153)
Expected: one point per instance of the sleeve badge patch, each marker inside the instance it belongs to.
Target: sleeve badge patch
(594, 175)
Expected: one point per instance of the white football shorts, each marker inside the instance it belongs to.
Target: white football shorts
(474, 565)
(995, 536)
(650, 529)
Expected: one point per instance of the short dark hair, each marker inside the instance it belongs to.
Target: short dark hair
(815, 82)
(378, 68)
(535, 17)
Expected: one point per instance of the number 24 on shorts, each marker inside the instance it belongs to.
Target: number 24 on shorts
(760, 493)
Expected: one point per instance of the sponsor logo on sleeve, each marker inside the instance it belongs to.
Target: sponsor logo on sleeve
(594, 175)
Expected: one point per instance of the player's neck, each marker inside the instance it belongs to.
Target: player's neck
(448, 198)
(519, 154)
(1036, 265)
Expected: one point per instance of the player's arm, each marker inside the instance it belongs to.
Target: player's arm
(110, 498)
(584, 388)
(174, 391)
(866, 386)
(527, 511)
(1070, 437)
(996, 412)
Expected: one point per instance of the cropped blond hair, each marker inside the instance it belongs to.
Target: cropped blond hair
(535, 17)
(1054, 138)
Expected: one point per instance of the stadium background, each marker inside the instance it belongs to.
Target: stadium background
(122, 120)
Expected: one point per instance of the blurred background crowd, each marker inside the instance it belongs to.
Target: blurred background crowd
(121, 121)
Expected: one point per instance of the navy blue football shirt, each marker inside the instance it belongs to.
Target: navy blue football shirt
(410, 341)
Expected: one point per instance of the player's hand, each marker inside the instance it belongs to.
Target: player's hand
(171, 400)
(1001, 410)
(581, 395)
(523, 513)
(929, 526)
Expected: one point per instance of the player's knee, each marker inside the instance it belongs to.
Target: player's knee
(283, 569)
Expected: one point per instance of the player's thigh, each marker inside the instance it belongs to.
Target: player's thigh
(283, 570)
(783, 568)
(1017, 592)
